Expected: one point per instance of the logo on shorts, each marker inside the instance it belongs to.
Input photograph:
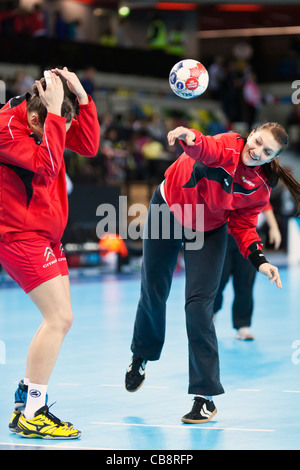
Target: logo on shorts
(62, 253)
(48, 253)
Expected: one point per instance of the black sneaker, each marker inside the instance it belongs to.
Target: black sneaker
(203, 411)
(135, 374)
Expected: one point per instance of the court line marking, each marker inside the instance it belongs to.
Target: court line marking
(51, 446)
(146, 386)
(259, 390)
(68, 384)
(184, 426)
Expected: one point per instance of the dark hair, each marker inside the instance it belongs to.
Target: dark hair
(35, 104)
(273, 171)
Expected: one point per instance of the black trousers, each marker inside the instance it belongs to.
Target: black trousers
(243, 276)
(203, 269)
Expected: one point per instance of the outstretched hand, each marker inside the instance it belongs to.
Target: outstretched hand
(182, 133)
(271, 272)
(74, 84)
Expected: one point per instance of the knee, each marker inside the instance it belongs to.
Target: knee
(61, 321)
(66, 323)
(200, 309)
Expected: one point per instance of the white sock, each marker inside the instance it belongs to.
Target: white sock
(25, 381)
(207, 397)
(36, 398)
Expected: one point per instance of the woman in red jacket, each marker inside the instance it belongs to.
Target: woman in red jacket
(217, 182)
(34, 131)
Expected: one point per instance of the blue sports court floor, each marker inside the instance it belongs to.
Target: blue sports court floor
(259, 411)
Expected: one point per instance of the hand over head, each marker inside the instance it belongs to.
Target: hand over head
(53, 96)
(73, 83)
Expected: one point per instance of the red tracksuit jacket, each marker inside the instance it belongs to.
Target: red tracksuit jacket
(33, 193)
(211, 173)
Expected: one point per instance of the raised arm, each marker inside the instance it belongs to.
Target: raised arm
(84, 134)
(210, 150)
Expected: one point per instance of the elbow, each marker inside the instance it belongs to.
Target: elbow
(93, 143)
(93, 149)
(91, 152)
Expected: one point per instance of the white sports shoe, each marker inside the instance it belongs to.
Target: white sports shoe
(244, 334)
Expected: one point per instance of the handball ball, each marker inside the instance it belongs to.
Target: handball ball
(188, 79)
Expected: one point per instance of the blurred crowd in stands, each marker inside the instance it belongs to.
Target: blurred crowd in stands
(35, 23)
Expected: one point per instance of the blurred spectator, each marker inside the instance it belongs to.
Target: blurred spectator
(114, 153)
(7, 19)
(231, 93)
(287, 67)
(287, 210)
(216, 76)
(123, 33)
(176, 41)
(88, 80)
(156, 128)
(154, 155)
(106, 122)
(76, 31)
(252, 99)
(157, 35)
(60, 26)
(22, 83)
(108, 38)
(38, 21)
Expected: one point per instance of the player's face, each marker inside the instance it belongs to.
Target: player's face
(260, 148)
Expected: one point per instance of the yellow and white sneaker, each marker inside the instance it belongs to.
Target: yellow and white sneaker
(14, 420)
(45, 425)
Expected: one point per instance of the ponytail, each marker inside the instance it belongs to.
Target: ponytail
(273, 171)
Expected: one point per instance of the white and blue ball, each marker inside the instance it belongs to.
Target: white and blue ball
(188, 79)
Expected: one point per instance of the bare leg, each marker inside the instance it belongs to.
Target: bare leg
(53, 300)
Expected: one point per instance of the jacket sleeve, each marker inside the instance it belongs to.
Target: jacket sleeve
(18, 148)
(84, 134)
(242, 226)
(211, 150)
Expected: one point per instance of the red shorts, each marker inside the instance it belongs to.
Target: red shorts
(32, 262)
